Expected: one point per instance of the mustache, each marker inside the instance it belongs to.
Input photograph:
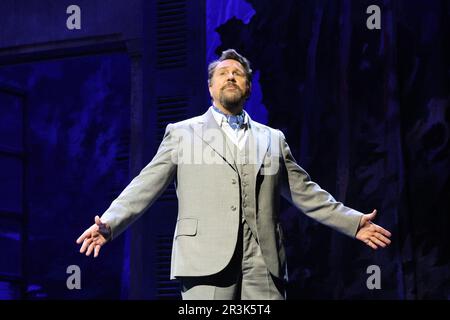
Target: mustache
(228, 85)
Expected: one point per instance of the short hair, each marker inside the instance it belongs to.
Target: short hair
(233, 55)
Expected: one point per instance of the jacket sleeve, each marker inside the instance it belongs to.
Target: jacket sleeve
(145, 188)
(316, 203)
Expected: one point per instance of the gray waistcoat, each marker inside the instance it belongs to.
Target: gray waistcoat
(245, 168)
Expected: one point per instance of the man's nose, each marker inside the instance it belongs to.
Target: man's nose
(231, 77)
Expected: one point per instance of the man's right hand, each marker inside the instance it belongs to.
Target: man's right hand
(94, 237)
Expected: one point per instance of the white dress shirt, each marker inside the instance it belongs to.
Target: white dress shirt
(238, 137)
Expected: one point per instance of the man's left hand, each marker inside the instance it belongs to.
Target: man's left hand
(371, 234)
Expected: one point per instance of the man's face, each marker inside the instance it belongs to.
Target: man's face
(228, 86)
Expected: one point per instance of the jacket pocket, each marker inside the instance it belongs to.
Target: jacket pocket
(187, 227)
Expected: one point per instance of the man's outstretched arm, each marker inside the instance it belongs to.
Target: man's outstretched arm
(140, 194)
(318, 204)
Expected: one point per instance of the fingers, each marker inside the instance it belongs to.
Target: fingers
(383, 238)
(367, 218)
(92, 243)
(86, 243)
(371, 244)
(92, 239)
(94, 246)
(375, 229)
(87, 233)
(378, 242)
(383, 231)
(372, 214)
(377, 239)
(90, 249)
(83, 236)
(97, 250)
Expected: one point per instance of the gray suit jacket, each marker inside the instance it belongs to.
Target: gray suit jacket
(194, 154)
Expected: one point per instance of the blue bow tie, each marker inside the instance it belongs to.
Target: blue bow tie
(235, 121)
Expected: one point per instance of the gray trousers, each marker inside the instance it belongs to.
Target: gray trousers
(245, 278)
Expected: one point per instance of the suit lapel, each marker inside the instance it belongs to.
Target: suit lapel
(258, 145)
(210, 132)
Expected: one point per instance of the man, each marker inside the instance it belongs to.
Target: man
(229, 172)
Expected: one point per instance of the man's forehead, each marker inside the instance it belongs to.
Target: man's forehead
(229, 63)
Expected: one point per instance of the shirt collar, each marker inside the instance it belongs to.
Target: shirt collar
(220, 118)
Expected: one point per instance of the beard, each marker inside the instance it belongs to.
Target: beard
(232, 99)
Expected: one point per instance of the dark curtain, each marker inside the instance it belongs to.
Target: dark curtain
(366, 113)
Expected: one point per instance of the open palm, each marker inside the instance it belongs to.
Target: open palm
(372, 234)
(94, 237)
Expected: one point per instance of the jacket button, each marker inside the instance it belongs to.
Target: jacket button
(233, 181)
(233, 208)
(244, 205)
